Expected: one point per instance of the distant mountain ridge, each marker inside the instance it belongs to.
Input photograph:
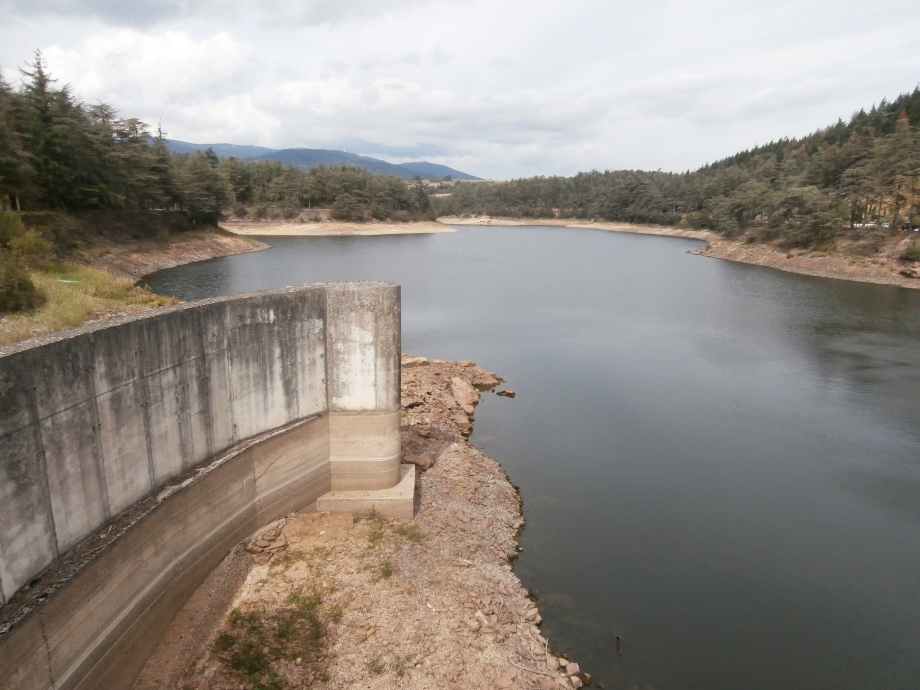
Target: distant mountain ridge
(307, 158)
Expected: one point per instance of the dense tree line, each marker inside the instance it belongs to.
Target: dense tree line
(270, 188)
(850, 178)
(57, 152)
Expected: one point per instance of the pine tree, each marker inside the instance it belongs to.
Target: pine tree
(56, 132)
(15, 171)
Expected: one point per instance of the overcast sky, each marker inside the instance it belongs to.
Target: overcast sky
(497, 88)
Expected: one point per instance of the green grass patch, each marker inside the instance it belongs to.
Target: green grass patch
(411, 532)
(256, 640)
(72, 295)
(912, 253)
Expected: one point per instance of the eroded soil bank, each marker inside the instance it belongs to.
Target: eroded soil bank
(135, 260)
(586, 224)
(884, 268)
(334, 602)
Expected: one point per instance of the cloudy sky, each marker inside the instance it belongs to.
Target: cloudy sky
(498, 88)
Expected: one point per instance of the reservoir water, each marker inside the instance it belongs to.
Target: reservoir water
(719, 462)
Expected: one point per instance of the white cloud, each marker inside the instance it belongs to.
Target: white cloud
(272, 12)
(136, 12)
(202, 86)
(318, 12)
(166, 67)
(505, 87)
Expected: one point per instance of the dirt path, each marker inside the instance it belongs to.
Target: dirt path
(331, 602)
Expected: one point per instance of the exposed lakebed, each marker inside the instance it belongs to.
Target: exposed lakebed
(719, 462)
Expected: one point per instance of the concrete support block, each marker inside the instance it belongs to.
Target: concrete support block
(364, 450)
(397, 501)
(363, 379)
(277, 346)
(123, 437)
(79, 500)
(27, 540)
(363, 346)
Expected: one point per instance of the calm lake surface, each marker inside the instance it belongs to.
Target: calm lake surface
(719, 462)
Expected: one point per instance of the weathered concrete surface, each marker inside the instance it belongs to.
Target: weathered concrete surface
(394, 502)
(363, 373)
(189, 635)
(95, 419)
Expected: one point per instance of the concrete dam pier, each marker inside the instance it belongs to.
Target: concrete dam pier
(187, 429)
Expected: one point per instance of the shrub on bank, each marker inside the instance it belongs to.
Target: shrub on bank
(912, 253)
(18, 247)
(17, 292)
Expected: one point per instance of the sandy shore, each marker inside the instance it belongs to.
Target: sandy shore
(588, 225)
(336, 603)
(333, 228)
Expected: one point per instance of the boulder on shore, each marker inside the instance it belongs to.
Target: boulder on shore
(463, 392)
(409, 361)
(423, 461)
(488, 381)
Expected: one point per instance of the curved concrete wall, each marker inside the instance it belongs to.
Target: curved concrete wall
(95, 419)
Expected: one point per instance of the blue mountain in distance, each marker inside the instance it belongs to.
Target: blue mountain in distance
(222, 150)
(307, 158)
(428, 170)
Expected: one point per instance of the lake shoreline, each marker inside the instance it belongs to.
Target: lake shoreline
(140, 258)
(332, 228)
(881, 270)
(433, 601)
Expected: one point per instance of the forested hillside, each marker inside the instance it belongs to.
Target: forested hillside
(57, 152)
(850, 178)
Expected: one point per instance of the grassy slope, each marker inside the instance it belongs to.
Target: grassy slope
(74, 295)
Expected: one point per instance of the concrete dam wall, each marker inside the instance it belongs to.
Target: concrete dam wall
(224, 415)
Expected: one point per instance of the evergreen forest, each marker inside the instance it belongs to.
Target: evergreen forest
(853, 178)
(58, 153)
